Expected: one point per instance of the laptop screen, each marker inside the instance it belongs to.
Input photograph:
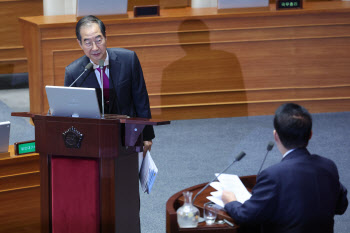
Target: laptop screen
(102, 7)
(4, 136)
(73, 102)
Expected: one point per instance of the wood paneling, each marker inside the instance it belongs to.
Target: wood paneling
(162, 3)
(19, 193)
(19, 180)
(198, 63)
(20, 210)
(12, 55)
(174, 3)
(17, 165)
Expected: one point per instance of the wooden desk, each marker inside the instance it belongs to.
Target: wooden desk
(177, 201)
(201, 64)
(19, 193)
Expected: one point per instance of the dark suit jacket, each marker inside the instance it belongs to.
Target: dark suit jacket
(300, 194)
(128, 93)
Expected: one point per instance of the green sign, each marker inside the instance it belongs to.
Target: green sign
(289, 4)
(26, 148)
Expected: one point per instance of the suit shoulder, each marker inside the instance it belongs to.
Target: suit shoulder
(275, 171)
(324, 160)
(270, 173)
(78, 62)
(120, 53)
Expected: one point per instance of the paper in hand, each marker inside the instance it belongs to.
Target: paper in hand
(148, 173)
(230, 183)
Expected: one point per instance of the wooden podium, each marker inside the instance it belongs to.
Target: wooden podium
(89, 173)
(177, 200)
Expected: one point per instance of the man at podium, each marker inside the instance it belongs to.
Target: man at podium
(124, 86)
(300, 194)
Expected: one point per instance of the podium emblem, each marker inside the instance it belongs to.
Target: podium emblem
(72, 138)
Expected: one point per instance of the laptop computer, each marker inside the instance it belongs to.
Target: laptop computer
(73, 102)
(4, 136)
(102, 7)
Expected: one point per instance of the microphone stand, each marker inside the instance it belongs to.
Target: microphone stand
(238, 157)
(87, 67)
(269, 148)
(101, 64)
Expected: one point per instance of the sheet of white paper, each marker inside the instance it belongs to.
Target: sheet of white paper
(233, 184)
(140, 160)
(153, 170)
(216, 194)
(230, 183)
(148, 173)
(144, 173)
(216, 185)
(216, 200)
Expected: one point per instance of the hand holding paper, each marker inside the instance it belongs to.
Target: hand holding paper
(228, 196)
(148, 172)
(230, 183)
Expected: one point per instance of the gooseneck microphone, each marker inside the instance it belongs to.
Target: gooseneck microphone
(101, 63)
(237, 158)
(269, 148)
(87, 67)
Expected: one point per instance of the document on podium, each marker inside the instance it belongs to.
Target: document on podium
(230, 183)
(147, 172)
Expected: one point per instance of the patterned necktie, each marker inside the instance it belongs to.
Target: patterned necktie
(105, 83)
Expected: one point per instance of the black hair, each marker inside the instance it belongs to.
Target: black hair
(88, 20)
(293, 124)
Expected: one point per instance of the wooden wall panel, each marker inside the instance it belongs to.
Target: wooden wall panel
(20, 180)
(252, 95)
(19, 193)
(12, 55)
(20, 211)
(24, 164)
(9, 13)
(162, 3)
(241, 109)
(197, 59)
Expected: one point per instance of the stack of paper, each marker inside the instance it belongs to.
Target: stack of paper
(148, 172)
(230, 183)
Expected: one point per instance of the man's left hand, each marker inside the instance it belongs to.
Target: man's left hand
(146, 147)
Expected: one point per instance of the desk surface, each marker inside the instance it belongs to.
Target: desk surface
(166, 14)
(11, 154)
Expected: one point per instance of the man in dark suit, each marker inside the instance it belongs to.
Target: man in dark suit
(300, 194)
(125, 90)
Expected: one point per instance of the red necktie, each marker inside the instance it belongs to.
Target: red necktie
(105, 83)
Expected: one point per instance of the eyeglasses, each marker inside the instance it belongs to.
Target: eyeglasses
(89, 43)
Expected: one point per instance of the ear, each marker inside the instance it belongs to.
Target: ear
(80, 44)
(276, 137)
(310, 135)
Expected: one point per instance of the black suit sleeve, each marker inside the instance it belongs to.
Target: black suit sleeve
(260, 206)
(140, 97)
(342, 203)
